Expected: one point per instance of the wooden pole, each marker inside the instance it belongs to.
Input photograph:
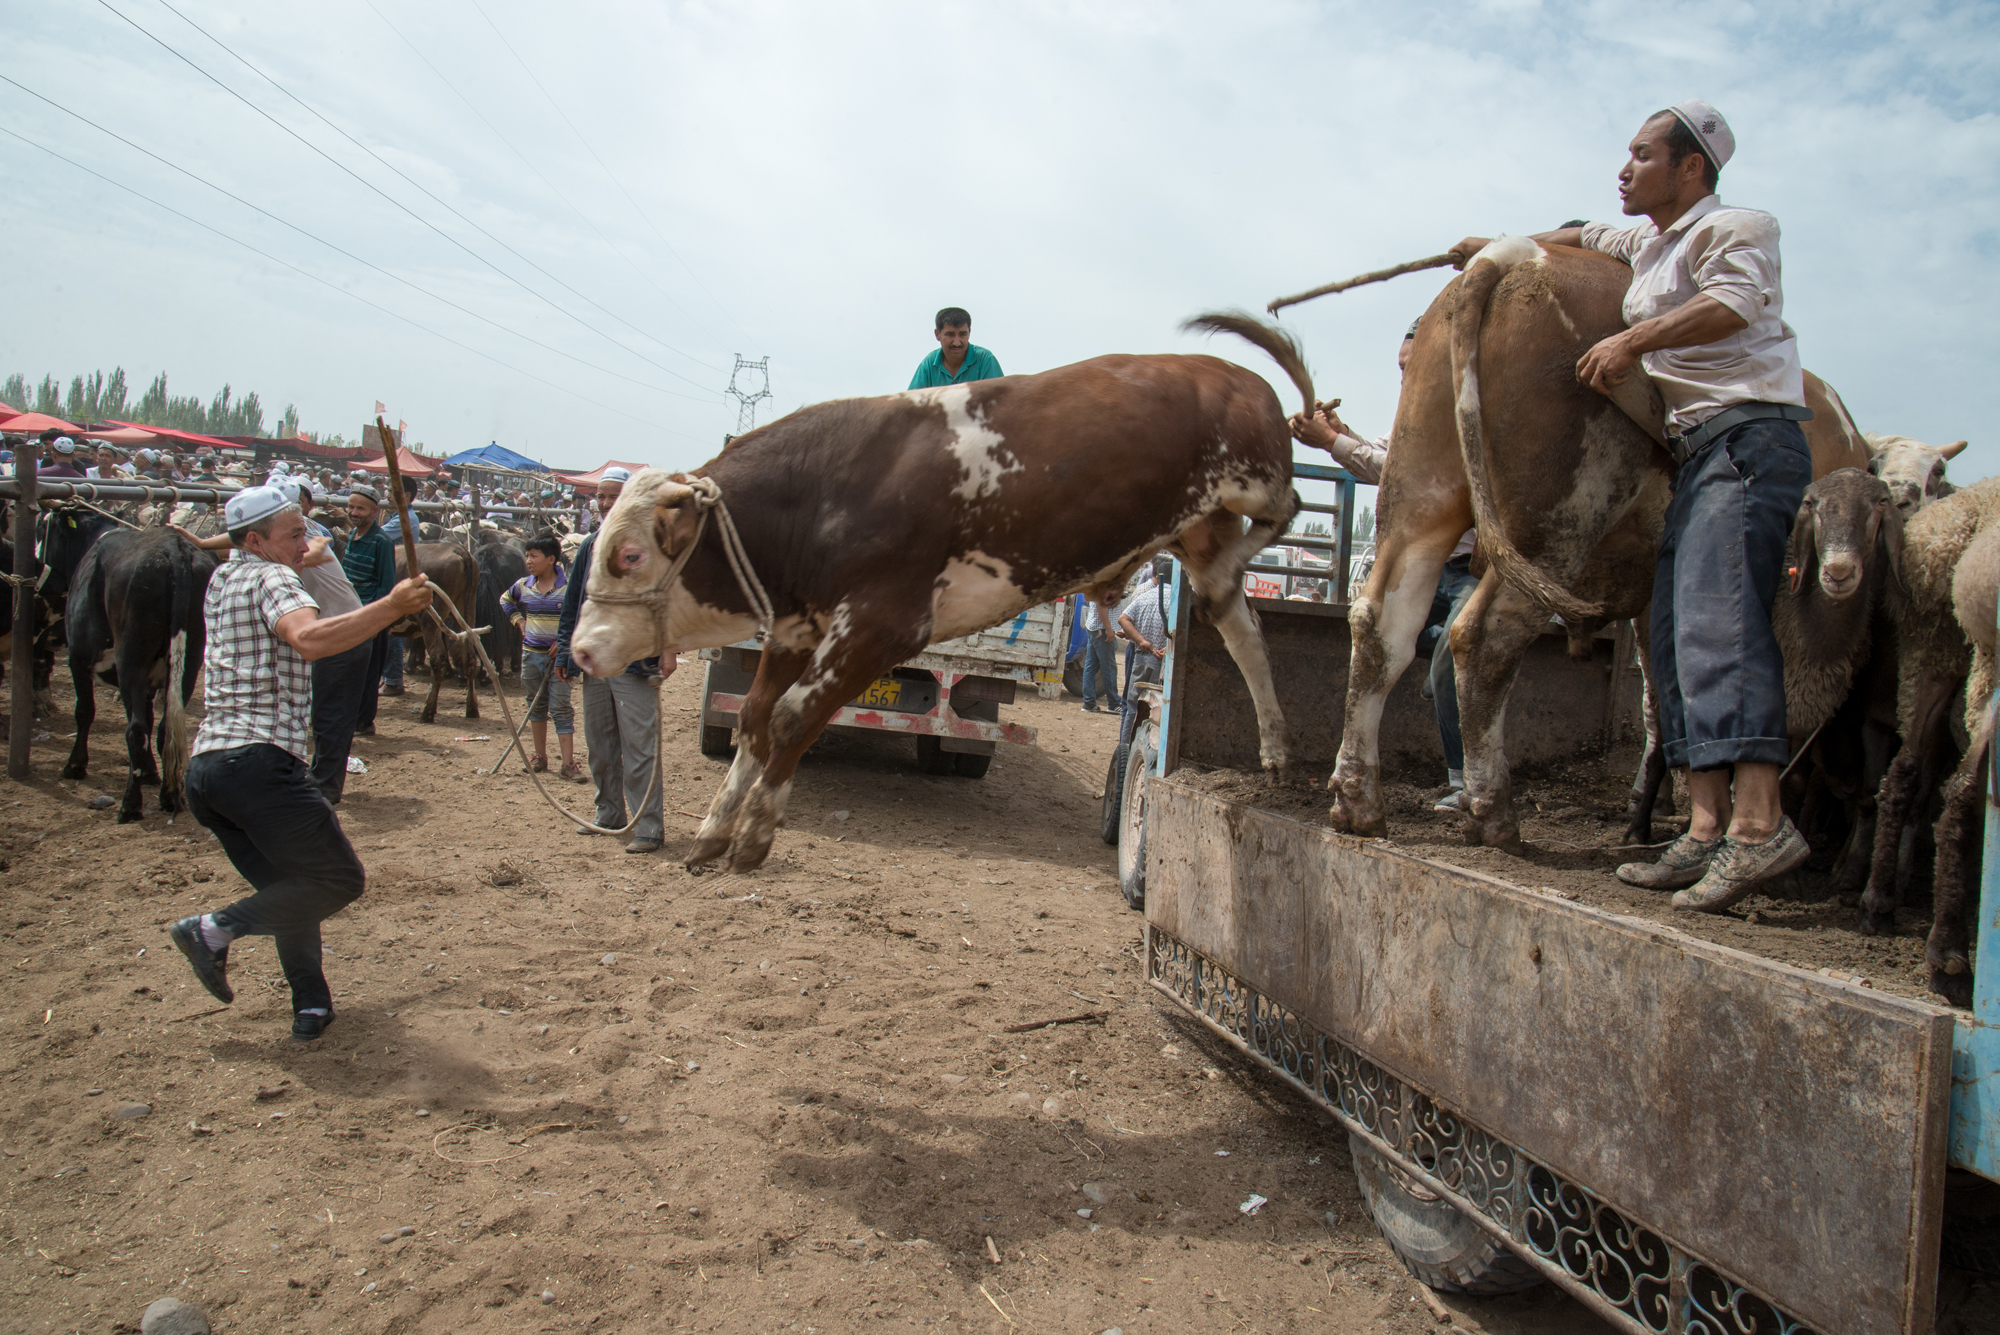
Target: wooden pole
(21, 715)
(389, 447)
(1359, 280)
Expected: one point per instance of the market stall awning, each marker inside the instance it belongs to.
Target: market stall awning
(168, 434)
(496, 456)
(590, 479)
(34, 424)
(120, 435)
(411, 465)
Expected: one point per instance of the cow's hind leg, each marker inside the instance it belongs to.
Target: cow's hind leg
(1215, 554)
(777, 669)
(1653, 759)
(85, 682)
(434, 654)
(1487, 640)
(474, 670)
(1383, 623)
(135, 689)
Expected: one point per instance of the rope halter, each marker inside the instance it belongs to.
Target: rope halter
(707, 494)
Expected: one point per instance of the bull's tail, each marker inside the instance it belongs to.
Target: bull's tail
(174, 741)
(1468, 316)
(1279, 343)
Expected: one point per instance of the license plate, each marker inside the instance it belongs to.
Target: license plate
(883, 693)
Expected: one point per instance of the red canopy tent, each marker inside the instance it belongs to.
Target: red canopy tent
(590, 479)
(171, 436)
(34, 424)
(411, 465)
(121, 435)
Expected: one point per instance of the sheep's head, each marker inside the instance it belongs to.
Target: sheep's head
(1846, 519)
(1913, 470)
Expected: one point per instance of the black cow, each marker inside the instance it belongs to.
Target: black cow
(134, 618)
(500, 564)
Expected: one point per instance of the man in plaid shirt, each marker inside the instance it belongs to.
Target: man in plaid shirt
(249, 781)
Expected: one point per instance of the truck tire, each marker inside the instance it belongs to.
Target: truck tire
(1114, 793)
(1132, 823)
(1442, 1248)
(932, 758)
(971, 764)
(1073, 676)
(715, 740)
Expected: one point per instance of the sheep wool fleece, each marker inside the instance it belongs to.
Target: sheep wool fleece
(1716, 660)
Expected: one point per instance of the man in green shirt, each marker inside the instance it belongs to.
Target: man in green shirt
(958, 360)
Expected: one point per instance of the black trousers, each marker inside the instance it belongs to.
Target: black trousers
(378, 658)
(339, 683)
(282, 836)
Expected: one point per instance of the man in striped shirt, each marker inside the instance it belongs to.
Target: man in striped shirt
(535, 604)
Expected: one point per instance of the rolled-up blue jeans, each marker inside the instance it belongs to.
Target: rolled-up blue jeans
(1715, 658)
(537, 664)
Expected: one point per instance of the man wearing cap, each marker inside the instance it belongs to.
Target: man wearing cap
(1704, 316)
(62, 459)
(248, 780)
(621, 714)
(370, 564)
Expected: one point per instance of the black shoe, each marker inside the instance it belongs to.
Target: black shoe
(210, 966)
(391, 690)
(308, 1027)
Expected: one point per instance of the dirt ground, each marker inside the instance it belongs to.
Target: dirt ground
(1573, 826)
(574, 1089)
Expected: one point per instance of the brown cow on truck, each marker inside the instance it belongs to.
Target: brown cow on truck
(1568, 491)
(878, 526)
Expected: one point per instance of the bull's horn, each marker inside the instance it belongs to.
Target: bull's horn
(1951, 451)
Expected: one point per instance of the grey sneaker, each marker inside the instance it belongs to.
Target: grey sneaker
(1738, 868)
(1684, 862)
(643, 846)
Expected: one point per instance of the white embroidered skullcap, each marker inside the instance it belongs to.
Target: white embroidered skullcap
(616, 475)
(1718, 141)
(64, 445)
(251, 504)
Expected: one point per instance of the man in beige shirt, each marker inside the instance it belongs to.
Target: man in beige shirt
(1704, 316)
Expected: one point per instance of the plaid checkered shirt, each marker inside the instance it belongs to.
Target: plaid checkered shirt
(256, 687)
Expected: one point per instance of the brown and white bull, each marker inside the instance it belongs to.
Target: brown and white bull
(877, 526)
(1568, 491)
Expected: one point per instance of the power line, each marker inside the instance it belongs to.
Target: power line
(643, 215)
(391, 199)
(243, 60)
(348, 253)
(583, 217)
(327, 282)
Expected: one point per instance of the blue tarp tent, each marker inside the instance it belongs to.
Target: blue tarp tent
(496, 456)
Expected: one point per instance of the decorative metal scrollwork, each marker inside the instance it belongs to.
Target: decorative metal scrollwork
(1715, 1306)
(1566, 1231)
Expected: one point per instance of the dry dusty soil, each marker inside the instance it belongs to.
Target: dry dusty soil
(573, 1089)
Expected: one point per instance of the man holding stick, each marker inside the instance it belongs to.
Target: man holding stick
(1704, 315)
(248, 781)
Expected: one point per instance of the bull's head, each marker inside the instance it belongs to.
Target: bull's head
(657, 519)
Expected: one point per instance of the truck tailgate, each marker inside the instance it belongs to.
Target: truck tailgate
(1034, 640)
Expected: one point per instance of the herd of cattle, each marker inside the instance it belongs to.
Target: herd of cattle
(856, 532)
(120, 593)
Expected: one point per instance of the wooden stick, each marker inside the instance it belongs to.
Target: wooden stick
(389, 447)
(1438, 1309)
(992, 1252)
(1043, 1024)
(1429, 262)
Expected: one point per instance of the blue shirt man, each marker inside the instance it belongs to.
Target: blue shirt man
(957, 360)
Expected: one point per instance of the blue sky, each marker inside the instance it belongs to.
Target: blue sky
(810, 182)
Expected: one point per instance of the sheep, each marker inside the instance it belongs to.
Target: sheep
(1824, 619)
(1913, 470)
(1945, 641)
(1846, 549)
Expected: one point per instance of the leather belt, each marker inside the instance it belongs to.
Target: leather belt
(1684, 448)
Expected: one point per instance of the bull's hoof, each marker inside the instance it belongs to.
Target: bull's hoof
(705, 851)
(1352, 817)
(749, 850)
(126, 817)
(73, 771)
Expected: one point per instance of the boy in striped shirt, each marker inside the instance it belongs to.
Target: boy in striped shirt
(534, 604)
